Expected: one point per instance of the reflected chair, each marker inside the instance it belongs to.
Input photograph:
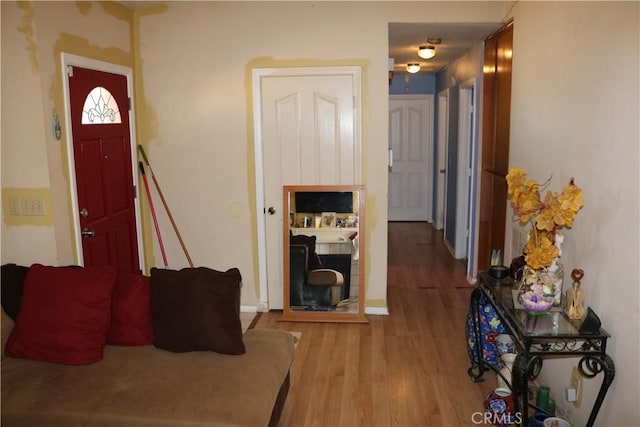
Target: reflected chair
(320, 287)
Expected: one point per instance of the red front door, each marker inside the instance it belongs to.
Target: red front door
(102, 155)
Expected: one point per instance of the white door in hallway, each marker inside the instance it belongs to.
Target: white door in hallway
(443, 136)
(307, 133)
(411, 142)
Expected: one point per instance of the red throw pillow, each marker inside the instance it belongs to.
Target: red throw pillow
(64, 315)
(131, 311)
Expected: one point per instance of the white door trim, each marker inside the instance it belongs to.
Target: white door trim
(466, 139)
(442, 144)
(67, 60)
(257, 76)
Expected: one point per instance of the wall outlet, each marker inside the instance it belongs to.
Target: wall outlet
(30, 206)
(14, 206)
(576, 383)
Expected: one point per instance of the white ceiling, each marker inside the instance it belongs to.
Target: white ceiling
(457, 39)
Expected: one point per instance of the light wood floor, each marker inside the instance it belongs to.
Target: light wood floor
(405, 369)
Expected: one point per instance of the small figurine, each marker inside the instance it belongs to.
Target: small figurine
(575, 296)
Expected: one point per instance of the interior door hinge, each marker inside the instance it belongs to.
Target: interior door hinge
(129, 102)
(70, 70)
(135, 192)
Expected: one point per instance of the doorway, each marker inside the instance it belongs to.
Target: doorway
(307, 132)
(443, 137)
(101, 161)
(411, 145)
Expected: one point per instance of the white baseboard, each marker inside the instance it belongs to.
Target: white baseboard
(376, 311)
(261, 307)
(248, 309)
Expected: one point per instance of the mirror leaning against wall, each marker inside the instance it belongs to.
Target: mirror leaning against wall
(323, 245)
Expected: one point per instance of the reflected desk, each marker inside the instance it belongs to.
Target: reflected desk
(538, 337)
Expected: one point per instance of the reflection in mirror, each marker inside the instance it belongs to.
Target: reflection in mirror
(323, 259)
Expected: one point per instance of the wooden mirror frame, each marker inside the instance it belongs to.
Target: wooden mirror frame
(323, 316)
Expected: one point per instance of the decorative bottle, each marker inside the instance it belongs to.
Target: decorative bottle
(508, 359)
(575, 296)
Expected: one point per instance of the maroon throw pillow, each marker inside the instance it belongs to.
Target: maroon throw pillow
(64, 315)
(131, 311)
(196, 309)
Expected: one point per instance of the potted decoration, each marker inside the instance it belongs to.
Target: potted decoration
(541, 282)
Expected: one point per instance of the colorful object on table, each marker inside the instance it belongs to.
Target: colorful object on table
(505, 344)
(499, 407)
(496, 257)
(575, 296)
(537, 420)
(546, 217)
(535, 303)
(542, 398)
(507, 369)
(490, 328)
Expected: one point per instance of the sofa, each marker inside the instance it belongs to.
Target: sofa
(90, 347)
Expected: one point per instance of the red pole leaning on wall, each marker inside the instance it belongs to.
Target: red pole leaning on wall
(153, 213)
(164, 203)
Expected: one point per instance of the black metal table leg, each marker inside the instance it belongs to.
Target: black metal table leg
(526, 367)
(589, 367)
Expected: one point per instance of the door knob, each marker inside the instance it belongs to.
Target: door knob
(84, 213)
(271, 210)
(87, 233)
(442, 170)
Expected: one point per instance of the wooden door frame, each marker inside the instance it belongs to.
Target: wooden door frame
(66, 61)
(257, 75)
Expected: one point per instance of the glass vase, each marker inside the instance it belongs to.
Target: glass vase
(551, 280)
(545, 282)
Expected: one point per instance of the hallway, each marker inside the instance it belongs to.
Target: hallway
(405, 369)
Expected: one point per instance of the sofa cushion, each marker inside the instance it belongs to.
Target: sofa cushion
(7, 327)
(196, 309)
(130, 311)
(12, 284)
(64, 315)
(314, 262)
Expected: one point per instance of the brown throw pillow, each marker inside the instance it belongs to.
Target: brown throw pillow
(196, 309)
(12, 286)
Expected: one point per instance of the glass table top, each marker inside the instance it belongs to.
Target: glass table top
(554, 324)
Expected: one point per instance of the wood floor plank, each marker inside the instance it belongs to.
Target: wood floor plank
(405, 369)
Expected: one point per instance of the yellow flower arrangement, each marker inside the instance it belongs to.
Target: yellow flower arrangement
(545, 216)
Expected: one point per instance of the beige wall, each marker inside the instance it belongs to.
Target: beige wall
(33, 162)
(574, 114)
(197, 61)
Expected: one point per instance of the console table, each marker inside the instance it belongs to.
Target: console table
(537, 338)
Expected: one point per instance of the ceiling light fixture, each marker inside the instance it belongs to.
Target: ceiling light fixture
(413, 67)
(426, 51)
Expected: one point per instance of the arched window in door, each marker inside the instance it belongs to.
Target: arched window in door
(100, 107)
